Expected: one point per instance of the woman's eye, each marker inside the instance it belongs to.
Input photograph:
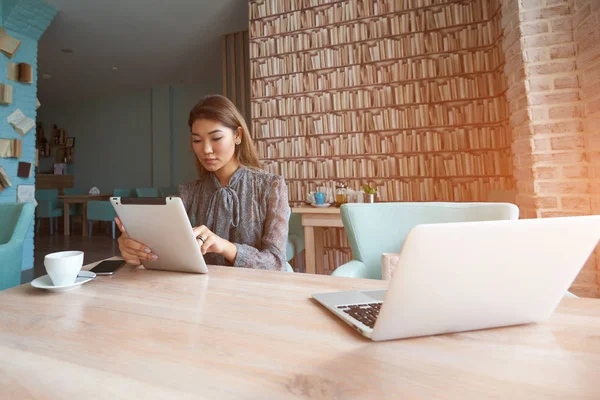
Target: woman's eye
(196, 141)
(216, 139)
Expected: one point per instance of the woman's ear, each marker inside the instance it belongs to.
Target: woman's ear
(239, 133)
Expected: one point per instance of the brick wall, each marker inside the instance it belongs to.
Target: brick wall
(586, 34)
(25, 20)
(553, 69)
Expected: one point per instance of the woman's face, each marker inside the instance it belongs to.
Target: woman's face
(213, 143)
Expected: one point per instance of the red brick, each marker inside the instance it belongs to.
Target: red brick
(576, 203)
(539, 113)
(559, 127)
(546, 202)
(523, 146)
(519, 117)
(534, 28)
(562, 112)
(581, 15)
(561, 24)
(551, 68)
(592, 107)
(547, 40)
(539, 84)
(554, 98)
(536, 55)
(567, 142)
(591, 91)
(575, 171)
(589, 76)
(567, 82)
(544, 13)
(529, 4)
(560, 158)
(558, 214)
(587, 42)
(562, 187)
(562, 51)
(542, 145)
(546, 173)
(594, 187)
(588, 26)
(589, 57)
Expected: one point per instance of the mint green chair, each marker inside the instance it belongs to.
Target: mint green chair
(147, 192)
(100, 210)
(377, 228)
(15, 220)
(48, 207)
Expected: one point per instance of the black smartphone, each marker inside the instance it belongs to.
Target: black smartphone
(108, 267)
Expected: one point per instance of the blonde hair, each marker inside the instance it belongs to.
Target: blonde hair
(221, 109)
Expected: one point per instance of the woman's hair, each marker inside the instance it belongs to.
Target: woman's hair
(221, 109)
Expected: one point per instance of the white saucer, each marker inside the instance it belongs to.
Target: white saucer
(320, 205)
(44, 282)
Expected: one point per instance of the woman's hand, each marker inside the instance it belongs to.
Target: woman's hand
(212, 243)
(133, 252)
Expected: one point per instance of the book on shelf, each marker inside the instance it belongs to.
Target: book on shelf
(8, 44)
(4, 179)
(21, 123)
(6, 94)
(10, 148)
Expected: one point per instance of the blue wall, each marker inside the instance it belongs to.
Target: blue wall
(25, 20)
(138, 139)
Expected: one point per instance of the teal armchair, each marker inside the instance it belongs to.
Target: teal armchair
(15, 220)
(378, 228)
(48, 207)
(148, 192)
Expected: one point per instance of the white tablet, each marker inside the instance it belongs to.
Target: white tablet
(162, 224)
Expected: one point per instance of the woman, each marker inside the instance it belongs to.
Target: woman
(239, 212)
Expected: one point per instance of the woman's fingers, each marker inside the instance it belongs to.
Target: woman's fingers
(208, 242)
(138, 249)
(119, 224)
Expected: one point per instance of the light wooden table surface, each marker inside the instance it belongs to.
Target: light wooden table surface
(247, 334)
(314, 219)
(82, 199)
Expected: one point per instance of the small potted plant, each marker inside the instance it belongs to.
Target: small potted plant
(370, 193)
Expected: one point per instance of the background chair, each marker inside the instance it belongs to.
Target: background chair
(124, 193)
(15, 220)
(100, 210)
(147, 192)
(48, 207)
(295, 243)
(378, 228)
(169, 191)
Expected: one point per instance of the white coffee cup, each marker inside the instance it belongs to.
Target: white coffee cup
(63, 267)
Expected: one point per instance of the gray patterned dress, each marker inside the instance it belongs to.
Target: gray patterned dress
(252, 212)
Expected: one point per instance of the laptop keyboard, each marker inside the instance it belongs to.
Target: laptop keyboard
(365, 313)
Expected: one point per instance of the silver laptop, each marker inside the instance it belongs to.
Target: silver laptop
(455, 277)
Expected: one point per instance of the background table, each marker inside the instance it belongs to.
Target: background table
(79, 199)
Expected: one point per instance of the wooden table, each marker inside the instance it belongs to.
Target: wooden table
(248, 334)
(314, 220)
(79, 199)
